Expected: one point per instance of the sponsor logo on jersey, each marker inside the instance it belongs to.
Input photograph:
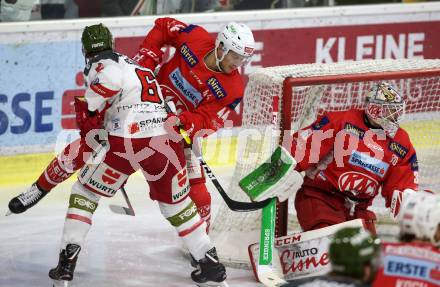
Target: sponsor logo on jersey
(145, 125)
(414, 162)
(216, 88)
(185, 88)
(397, 149)
(354, 130)
(410, 268)
(319, 125)
(369, 163)
(188, 55)
(180, 185)
(357, 183)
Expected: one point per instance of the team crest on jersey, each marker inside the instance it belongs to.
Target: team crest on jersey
(398, 149)
(185, 88)
(188, 55)
(354, 130)
(357, 183)
(369, 163)
(216, 88)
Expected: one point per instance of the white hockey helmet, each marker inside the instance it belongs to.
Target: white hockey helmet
(421, 217)
(385, 107)
(236, 37)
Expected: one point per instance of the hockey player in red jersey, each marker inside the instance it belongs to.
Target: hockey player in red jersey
(129, 99)
(415, 260)
(201, 79)
(349, 157)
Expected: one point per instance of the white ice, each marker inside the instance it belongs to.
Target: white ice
(120, 250)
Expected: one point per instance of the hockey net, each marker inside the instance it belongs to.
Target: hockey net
(290, 98)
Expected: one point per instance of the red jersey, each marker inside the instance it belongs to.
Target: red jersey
(343, 153)
(409, 264)
(205, 96)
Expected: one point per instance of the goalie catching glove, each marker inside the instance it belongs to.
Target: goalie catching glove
(275, 178)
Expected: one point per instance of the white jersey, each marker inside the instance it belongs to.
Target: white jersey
(129, 93)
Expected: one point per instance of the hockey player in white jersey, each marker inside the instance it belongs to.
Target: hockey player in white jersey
(126, 98)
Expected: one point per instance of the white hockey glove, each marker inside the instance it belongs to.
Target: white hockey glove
(276, 177)
(398, 202)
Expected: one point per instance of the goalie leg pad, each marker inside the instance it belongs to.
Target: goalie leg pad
(82, 205)
(190, 227)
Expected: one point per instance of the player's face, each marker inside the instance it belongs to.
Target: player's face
(232, 61)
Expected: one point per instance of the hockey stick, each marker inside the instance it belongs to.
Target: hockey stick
(234, 205)
(121, 209)
(265, 271)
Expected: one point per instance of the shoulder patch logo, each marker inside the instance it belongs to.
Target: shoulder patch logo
(188, 55)
(398, 149)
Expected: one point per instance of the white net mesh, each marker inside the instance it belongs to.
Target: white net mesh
(232, 231)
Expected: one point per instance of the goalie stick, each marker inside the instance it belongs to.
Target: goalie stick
(266, 273)
(121, 209)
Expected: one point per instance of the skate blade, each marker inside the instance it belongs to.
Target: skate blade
(213, 284)
(60, 283)
(9, 212)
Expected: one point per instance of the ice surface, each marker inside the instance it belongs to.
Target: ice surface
(120, 250)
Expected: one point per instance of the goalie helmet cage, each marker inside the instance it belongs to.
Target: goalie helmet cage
(288, 98)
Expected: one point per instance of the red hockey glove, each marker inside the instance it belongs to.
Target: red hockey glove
(86, 120)
(149, 57)
(175, 26)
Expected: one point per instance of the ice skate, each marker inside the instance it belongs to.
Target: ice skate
(26, 200)
(66, 265)
(210, 272)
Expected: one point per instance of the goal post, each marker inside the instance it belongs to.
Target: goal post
(288, 98)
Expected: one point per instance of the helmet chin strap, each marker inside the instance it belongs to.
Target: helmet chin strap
(217, 60)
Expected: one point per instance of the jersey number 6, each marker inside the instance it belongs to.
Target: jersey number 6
(150, 87)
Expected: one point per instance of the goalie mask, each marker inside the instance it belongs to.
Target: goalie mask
(238, 40)
(385, 107)
(96, 38)
(421, 217)
(351, 249)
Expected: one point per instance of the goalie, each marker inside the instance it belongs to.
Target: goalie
(348, 157)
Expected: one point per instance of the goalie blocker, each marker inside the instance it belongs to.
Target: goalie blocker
(275, 178)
